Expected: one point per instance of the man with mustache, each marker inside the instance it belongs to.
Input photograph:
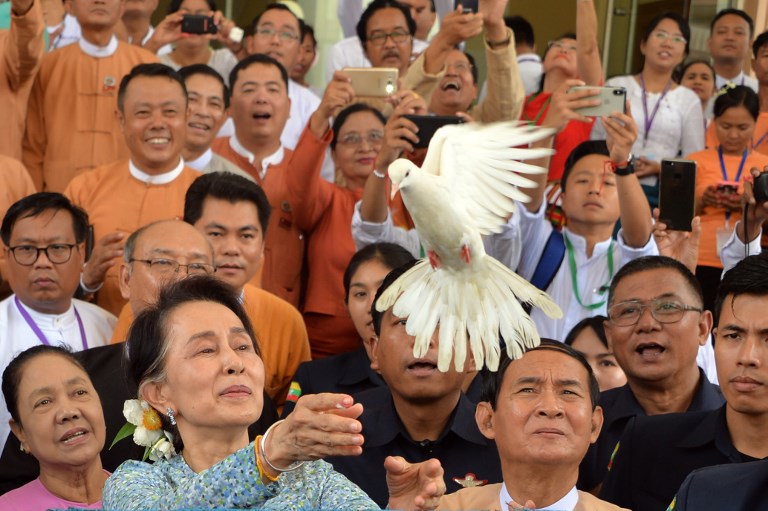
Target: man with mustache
(420, 414)
(641, 477)
(655, 326)
(71, 124)
(44, 244)
(149, 186)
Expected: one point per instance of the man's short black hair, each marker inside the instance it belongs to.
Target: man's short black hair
(377, 5)
(736, 12)
(759, 42)
(227, 187)
(648, 263)
(580, 151)
(37, 203)
(206, 70)
(280, 7)
(473, 67)
(258, 58)
(522, 29)
(153, 70)
(492, 380)
(748, 277)
(391, 277)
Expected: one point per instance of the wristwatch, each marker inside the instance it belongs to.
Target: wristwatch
(627, 169)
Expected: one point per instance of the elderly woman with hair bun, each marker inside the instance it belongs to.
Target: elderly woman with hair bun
(195, 359)
(56, 415)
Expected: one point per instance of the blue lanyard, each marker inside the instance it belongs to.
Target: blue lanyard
(725, 172)
(760, 140)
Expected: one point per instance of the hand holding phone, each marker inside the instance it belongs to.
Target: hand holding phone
(612, 99)
(199, 24)
(375, 82)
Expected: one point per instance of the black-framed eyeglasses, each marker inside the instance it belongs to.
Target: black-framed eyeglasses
(663, 310)
(379, 38)
(57, 253)
(169, 266)
(285, 35)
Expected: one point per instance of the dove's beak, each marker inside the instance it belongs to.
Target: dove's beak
(395, 189)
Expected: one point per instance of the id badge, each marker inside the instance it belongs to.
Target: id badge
(723, 234)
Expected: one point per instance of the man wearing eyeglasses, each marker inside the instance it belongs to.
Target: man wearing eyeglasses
(640, 477)
(655, 326)
(278, 33)
(44, 244)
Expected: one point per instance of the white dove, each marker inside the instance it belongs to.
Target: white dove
(465, 188)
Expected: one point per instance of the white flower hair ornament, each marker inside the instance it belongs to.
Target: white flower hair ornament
(145, 425)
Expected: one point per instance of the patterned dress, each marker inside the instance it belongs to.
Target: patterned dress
(233, 483)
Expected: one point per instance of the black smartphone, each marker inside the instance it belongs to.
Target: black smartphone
(467, 6)
(198, 24)
(89, 242)
(429, 124)
(677, 194)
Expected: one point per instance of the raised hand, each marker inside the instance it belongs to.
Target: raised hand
(416, 486)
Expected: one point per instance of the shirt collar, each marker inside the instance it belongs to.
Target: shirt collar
(202, 161)
(382, 412)
(273, 159)
(736, 80)
(528, 57)
(148, 36)
(158, 179)
(579, 243)
(713, 428)
(567, 503)
(51, 321)
(98, 52)
(358, 369)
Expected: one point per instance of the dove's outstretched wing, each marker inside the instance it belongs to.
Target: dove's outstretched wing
(484, 164)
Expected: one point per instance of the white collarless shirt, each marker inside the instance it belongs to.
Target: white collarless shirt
(567, 503)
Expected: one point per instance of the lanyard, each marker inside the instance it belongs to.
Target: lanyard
(535, 120)
(574, 280)
(725, 173)
(760, 140)
(649, 120)
(39, 333)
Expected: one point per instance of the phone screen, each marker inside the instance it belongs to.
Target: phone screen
(677, 194)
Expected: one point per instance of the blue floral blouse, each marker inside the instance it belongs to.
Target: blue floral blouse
(233, 483)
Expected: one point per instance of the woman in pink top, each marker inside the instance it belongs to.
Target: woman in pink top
(56, 415)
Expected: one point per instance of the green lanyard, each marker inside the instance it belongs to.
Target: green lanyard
(535, 120)
(575, 282)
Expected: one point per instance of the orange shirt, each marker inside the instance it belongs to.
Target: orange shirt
(117, 201)
(71, 124)
(21, 51)
(709, 173)
(575, 132)
(281, 335)
(15, 184)
(284, 244)
(759, 139)
(324, 211)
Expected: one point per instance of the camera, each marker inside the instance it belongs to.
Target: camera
(761, 188)
(198, 24)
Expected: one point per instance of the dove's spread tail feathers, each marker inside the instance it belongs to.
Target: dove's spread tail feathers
(477, 307)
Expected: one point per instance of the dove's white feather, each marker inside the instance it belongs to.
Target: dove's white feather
(464, 189)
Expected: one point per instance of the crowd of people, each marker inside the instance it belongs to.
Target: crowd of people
(194, 239)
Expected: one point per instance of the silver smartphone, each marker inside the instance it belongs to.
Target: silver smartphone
(612, 99)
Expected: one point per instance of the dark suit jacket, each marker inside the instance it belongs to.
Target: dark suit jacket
(105, 367)
(657, 453)
(739, 487)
